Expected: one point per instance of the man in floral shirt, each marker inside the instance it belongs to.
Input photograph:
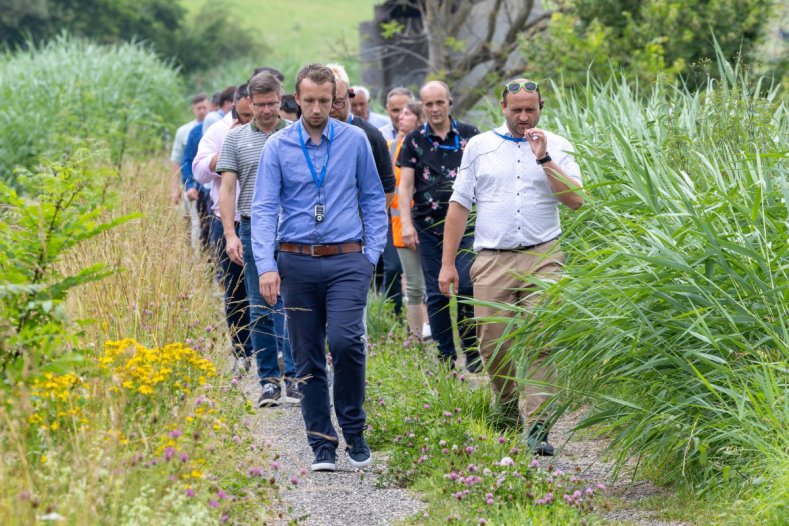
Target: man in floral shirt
(429, 161)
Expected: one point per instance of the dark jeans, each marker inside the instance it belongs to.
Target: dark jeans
(267, 323)
(430, 246)
(231, 276)
(326, 298)
(393, 271)
(204, 204)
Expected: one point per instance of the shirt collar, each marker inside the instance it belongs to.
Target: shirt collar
(453, 128)
(324, 133)
(281, 123)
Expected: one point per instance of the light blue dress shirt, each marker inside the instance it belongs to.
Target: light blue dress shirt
(352, 195)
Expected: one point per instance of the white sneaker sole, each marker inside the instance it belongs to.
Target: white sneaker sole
(323, 466)
(269, 403)
(362, 464)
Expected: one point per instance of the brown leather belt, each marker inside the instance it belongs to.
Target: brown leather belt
(334, 249)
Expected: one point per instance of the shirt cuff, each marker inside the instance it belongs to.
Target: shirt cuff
(266, 265)
(372, 256)
(462, 200)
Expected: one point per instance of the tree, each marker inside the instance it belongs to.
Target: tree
(468, 44)
(645, 39)
(473, 45)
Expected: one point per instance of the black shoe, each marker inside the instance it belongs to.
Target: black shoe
(270, 396)
(358, 451)
(325, 460)
(537, 441)
(292, 394)
(473, 364)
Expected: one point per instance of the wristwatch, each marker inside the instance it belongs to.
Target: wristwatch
(545, 159)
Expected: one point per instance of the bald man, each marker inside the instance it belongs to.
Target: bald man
(429, 161)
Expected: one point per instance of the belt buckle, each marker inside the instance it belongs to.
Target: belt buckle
(312, 250)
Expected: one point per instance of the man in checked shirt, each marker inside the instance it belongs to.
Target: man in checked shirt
(517, 187)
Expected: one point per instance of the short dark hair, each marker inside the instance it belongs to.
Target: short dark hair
(198, 98)
(263, 83)
(215, 98)
(317, 73)
(277, 73)
(289, 104)
(226, 95)
(241, 92)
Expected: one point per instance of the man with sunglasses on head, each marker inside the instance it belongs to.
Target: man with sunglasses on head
(517, 175)
(429, 159)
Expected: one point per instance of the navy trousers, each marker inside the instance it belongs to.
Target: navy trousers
(231, 276)
(393, 271)
(430, 247)
(325, 299)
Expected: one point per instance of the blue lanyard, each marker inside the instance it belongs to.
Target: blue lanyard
(350, 118)
(317, 180)
(454, 148)
(508, 138)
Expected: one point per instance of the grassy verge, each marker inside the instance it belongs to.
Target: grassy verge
(144, 430)
(434, 427)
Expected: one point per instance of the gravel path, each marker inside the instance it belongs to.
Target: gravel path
(351, 497)
(347, 497)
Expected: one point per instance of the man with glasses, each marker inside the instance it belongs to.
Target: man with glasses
(319, 199)
(429, 160)
(341, 110)
(517, 175)
(238, 166)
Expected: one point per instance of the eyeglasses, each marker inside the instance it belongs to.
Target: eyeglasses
(338, 103)
(515, 87)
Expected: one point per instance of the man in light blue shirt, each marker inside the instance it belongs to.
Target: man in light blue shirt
(318, 178)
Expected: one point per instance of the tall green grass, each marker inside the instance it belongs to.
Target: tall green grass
(70, 92)
(671, 323)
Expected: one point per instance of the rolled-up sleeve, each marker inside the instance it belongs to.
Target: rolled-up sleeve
(210, 145)
(265, 208)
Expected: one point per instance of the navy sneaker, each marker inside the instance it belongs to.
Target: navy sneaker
(325, 460)
(270, 396)
(292, 394)
(358, 451)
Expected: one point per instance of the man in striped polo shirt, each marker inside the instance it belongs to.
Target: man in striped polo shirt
(238, 165)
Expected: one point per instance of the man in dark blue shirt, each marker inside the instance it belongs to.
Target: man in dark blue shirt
(317, 178)
(194, 190)
(429, 162)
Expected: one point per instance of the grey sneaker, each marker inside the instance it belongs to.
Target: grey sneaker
(270, 396)
(358, 451)
(292, 394)
(325, 460)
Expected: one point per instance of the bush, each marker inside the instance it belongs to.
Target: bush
(671, 319)
(69, 93)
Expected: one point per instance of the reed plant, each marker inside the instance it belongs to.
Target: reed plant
(69, 93)
(670, 323)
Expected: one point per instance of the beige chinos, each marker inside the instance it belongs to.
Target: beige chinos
(495, 275)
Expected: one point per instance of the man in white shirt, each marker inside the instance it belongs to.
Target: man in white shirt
(517, 187)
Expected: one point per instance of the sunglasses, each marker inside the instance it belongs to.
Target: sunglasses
(515, 87)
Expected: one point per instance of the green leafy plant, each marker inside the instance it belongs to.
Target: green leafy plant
(64, 204)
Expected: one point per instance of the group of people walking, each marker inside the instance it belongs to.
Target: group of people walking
(301, 213)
